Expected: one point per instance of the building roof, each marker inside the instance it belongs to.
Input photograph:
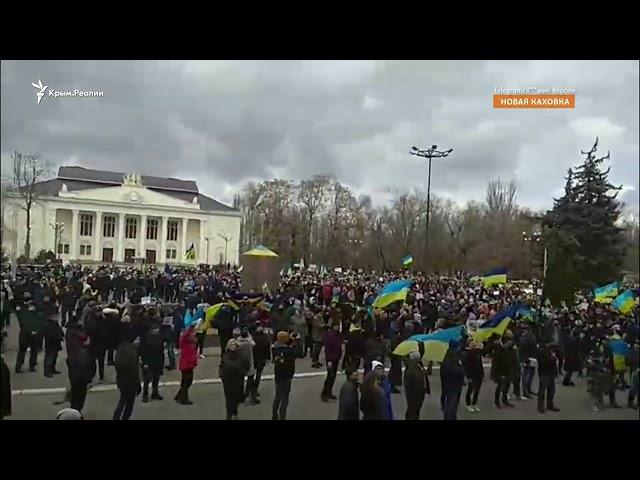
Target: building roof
(115, 178)
(100, 179)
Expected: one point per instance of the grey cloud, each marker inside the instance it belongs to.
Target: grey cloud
(227, 122)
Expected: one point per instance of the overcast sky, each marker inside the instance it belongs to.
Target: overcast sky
(224, 123)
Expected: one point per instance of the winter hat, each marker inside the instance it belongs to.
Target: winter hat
(283, 337)
(375, 364)
(414, 355)
(69, 414)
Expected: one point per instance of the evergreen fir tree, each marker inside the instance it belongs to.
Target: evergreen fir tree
(584, 224)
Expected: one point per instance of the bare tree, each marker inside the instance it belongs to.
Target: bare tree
(311, 195)
(28, 170)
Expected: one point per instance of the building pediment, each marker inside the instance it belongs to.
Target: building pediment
(131, 195)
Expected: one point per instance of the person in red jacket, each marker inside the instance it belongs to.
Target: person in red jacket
(188, 362)
(332, 341)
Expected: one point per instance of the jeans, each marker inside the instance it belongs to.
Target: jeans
(528, 371)
(502, 386)
(281, 400)
(125, 405)
(169, 344)
(332, 371)
(516, 384)
(99, 353)
(50, 358)
(473, 390)
(154, 379)
(31, 342)
(451, 400)
(546, 389)
(200, 337)
(185, 382)
(253, 382)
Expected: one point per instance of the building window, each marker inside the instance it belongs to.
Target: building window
(131, 228)
(152, 229)
(172, 254)
(172, 230)
(63, 248)
(109, 227)
(85, 250)
(86, 225)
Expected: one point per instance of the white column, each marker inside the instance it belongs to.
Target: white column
(202, 253)
(163, 240)
(75, 232)
(143, 235)
(120, 239)
(97, 251)
(183, 241)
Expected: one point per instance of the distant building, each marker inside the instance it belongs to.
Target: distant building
(112, 217)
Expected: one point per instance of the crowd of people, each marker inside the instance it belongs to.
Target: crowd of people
(143, 322)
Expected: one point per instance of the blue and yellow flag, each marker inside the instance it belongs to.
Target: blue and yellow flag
(620, 350)
(190, 254)
(435, 344)
(624, 302)
(408, 260)
(495, 325)
(494, 277)
(392, 292)
(606, 293)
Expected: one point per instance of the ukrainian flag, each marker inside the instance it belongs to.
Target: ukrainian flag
(495, 325)
(392, 292)
(494, 277)
(408, 260)
(620, 350)
(525, 313)
(624, 302)
(606, 293)
(435, 344)
(190, 254)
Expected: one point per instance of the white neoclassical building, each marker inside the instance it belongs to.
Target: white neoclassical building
(109, 217)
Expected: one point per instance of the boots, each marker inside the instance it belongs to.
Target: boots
(552, 408)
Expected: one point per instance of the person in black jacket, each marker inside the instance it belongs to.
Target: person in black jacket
(127, 379)
(31, 326)
(452, 378)
(416, 386)
(373, 404)
(474, 371)
(112, 330)
(547, 373)
(349, 397)
(53, 336)
(67, 303)
(261, 355)
(528, 352)
(96, 327)
(284, 352)
(81, 366)
(152, 354)
(501, 366)
(233, 368)
(571, 358)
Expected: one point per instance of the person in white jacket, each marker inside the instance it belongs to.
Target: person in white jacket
(245, 349)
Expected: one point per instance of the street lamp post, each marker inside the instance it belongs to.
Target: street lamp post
(206, 239)
(226, 243)
(429, 153)
(532, 239)
(58, 228)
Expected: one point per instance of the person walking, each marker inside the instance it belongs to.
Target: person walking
(81, 365)
(452, 379)
(416, 386)
(245, 349)
(233, 368)
(474, 371)
(372, 397)
(187, 363)
(501, 365)
(349, 397)
(332, 341)
(152, 354)
(547, 373)
(261, 355)
(284, 352)
(127, 378)
(31, 326)
(53, 336)
(528, 352)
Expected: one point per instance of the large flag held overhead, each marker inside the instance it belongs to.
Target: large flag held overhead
(190, 254)
(624, 302)
(496, 324)
(606, 293)
(435, 344)
(620, 350)
(392, 292)
(408, 260)
(494, 277)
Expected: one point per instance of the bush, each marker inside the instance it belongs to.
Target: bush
(44, 256)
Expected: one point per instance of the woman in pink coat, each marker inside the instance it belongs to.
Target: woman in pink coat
(188, 361)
